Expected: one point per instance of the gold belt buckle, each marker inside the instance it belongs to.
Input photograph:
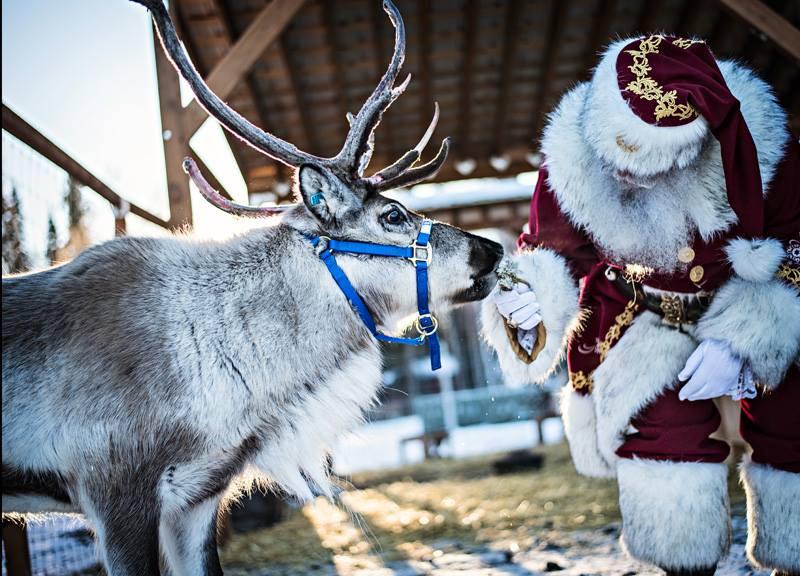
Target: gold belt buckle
(672, 307)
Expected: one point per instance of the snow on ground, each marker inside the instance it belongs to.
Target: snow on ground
(557, 553)
(380, 446)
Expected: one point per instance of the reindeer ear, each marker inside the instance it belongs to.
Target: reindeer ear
(323, 195)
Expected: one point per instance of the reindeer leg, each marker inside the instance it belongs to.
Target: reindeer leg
(127, 533)
(189, 540)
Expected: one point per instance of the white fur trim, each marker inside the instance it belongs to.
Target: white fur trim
(755, 260)
(580, 428)
(609, 116)
(557, 293)
(676, 205)
(674, 514)
(760, 321)
(773, 517)
(645, 362)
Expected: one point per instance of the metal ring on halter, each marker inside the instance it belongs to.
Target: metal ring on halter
(431, 330)
(324, 245)
(428, 251)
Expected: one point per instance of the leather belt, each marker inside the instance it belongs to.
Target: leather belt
(676, 310)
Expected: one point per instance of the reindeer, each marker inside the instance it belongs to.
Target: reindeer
(142, 379)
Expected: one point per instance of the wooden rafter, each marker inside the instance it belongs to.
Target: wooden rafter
(194, 54)
(686, 17)
(599, 34)
(306, 128)
(424, 19)
(767, 21)
(647, 17)
(465, 101)
(30, 136)
(265, 29)
(510, 38)
(378, 21)
(558, 12)
(335, 51)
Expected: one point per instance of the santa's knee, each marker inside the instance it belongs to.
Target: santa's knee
(674, 514)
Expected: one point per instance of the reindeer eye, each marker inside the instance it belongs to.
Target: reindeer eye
(394, 216)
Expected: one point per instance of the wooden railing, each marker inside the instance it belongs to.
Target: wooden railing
(20, 129)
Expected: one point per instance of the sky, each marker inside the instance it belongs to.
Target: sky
(83, 73)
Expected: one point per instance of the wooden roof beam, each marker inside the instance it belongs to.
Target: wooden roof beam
(221, 15)
(599, 33)
(424, 21)
(334, 55)
(510, 36)
(296, 96)
(265, 29)
(768, 22)
(377, 20)
(558, 12)
(465, 106)
(37, 141)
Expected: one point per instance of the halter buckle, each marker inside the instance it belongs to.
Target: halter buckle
(420, 253)
(426, 332)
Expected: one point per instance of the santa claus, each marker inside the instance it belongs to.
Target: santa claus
(663, 258)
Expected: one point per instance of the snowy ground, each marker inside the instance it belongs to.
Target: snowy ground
(557, 553)
(440, 518)
(448, 518)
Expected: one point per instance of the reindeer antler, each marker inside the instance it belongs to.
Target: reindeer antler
(214, 197)
(351, 161)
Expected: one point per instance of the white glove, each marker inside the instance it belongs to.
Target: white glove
(713, 370)
(519, 306)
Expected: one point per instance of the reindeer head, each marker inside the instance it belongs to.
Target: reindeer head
(338, 200)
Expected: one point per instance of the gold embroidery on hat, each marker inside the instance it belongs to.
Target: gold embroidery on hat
(686, 42)
(648, 89)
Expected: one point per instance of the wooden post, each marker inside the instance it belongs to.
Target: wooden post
(764, 19)
(120, 226)
(176, 139)
(15, 546)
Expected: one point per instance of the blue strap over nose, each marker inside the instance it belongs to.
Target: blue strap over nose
(420, 253)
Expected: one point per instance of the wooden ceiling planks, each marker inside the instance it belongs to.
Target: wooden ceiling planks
(496, 67)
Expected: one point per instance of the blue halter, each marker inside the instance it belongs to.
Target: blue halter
(420, 253)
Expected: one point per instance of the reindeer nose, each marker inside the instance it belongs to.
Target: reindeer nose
(487, 256)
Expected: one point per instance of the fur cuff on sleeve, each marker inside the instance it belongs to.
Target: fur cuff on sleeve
(557, 293)
(760, 321)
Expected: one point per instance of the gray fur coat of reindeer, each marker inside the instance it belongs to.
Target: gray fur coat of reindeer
(144, 377)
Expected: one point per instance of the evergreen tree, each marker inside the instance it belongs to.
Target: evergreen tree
(15, 259)
(52, 241)
(74, 203)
